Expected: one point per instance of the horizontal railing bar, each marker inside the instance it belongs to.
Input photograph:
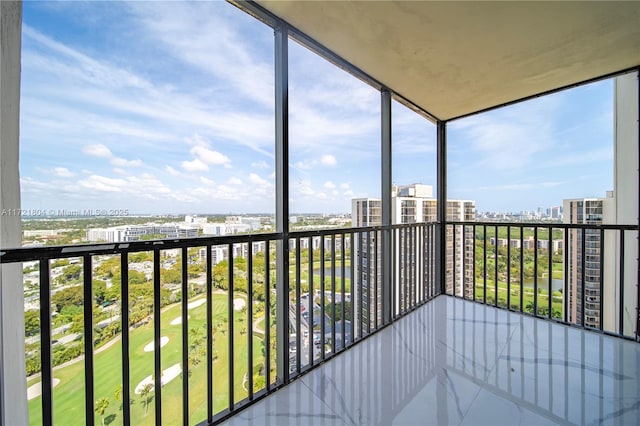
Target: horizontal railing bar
(551, 225)
(26, 254)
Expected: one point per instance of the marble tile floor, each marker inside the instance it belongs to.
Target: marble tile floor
(461, 363)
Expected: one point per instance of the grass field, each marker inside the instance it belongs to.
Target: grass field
(527, 297)
(69, 407)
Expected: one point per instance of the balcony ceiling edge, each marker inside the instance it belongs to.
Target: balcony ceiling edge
(457, 58)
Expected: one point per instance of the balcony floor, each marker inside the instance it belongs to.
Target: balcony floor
(458, 362)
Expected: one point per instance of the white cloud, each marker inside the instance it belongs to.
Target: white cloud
(103, 184)
(328, 160)
(97, 150)
(344, 185)
(199, 34)
(117, 161)
(144, 186)
(507, 139)
(172, 171)
(61, 172)
(325, 160)
(260, 165)
(127, 104)
(101, 151)
(209, 156)
(206, 181)
(329, 185)
(234, 181)
(255, 179)
(119, 171)
(305, 165)
(194, 166)
(302, 188)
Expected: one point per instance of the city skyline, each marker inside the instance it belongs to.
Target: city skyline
(125, 107)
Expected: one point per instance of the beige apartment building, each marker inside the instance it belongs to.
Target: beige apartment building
(411, 204)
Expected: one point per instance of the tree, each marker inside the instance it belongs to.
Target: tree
(145, 394)
(31, 323)
(143, 256)
(220, 275)
(259, 383)
(170, 276)
(68, 296)
(196, 338)
(149, 237)
(70, 273)
(195, 270)
(59, 263)
(118, 395)
(99, 290)
(101, 406)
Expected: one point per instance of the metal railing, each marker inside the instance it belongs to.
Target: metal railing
(219, 352)
(582, 275)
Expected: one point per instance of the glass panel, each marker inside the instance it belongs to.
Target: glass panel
(334, 141)
(549, 159)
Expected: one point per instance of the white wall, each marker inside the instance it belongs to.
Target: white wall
(626, 194)
(13, 409)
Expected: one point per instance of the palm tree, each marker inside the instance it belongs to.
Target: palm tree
(196, 339)
(118, 395)
(194, 360)
(101, 407)
(145, 393)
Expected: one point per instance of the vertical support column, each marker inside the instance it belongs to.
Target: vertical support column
(626, 202)
(637, 145)
(282, 202)
(441, 235)
(13, 400)
(387, 276)
(387, 249)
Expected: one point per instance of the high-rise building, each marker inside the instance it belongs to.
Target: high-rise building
(555, 212)
(586, 274)
(411, 204)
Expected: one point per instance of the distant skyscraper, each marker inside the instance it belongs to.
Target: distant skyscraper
(589, 269)
(412, 204)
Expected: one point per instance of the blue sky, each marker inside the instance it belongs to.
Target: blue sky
(167, 107)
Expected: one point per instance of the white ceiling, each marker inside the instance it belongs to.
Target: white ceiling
(456, 58)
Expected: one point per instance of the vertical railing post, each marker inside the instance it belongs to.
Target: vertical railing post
(441, 235)
(387, 276)
(282, 202)
(88, 339)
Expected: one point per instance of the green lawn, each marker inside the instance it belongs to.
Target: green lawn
(304, 275)
(527, 297)
(69, 394)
